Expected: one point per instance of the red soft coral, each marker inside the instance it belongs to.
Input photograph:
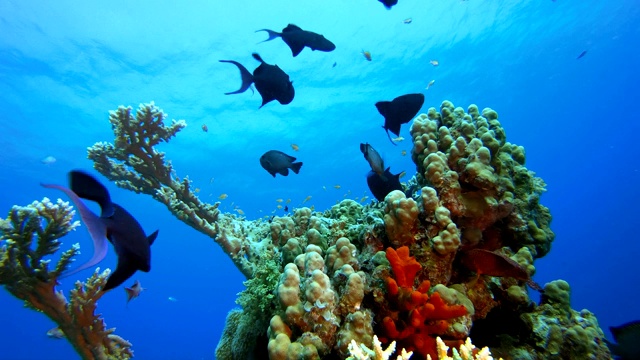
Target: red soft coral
(415, 319)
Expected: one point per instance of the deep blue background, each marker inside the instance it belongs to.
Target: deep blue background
(63, 66)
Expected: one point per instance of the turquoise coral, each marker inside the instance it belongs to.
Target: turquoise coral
(25, 273)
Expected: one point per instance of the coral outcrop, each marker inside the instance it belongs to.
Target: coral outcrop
(30, 237)
(447, 258)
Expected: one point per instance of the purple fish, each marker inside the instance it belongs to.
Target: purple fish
(115, 224)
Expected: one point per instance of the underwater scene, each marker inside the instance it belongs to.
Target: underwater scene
(295, 180)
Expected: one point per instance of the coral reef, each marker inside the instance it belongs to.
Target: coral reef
(319, 280)
(25, 273)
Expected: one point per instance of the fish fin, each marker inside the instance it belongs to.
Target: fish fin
(257, 57)
(295, 167)
(272, 35)
(130, 293)
(534, 285)
(124, 270)
(296, 49)
(395, 128)
(289, 157)
(247, 78)
(389, 136)
(151, 238)
(283, 172)
(266, 99)
(87, 187)
(291, 27)
(95, 225)
(383, 107)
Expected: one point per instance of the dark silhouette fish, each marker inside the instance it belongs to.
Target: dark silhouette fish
(134, 291)
(277, 162)
(627, 337)
(297, 39)
(374, 159)
(271, 82)
(381, 186)
(399, 111)
(485, 262)
(582, 54)
(389, 3)
(115, 224)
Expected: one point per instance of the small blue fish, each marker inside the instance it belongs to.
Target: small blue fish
(55, 333)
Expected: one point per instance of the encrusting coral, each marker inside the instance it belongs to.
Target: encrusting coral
(447, 258)
(25, 273)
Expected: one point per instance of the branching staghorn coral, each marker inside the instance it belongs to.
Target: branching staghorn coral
(133, 163)
(24, 272)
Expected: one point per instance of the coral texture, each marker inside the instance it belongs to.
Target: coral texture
(318, 280)
(25, 273)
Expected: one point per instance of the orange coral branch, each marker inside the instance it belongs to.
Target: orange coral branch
(415, 318)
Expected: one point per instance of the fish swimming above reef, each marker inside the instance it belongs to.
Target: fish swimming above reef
(399, 111)
(381, 186)
(627, 337)
(297, 39)
(114, 224)
(389, 3)
(277, 162)
(271, 82)
(374, 159)
(49, 160)
(134, 291)
(485, 262)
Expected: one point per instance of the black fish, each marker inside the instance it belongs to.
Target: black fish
(115, 224)
(627, 337)
(399, 111)
(389, 3)
(297, 39)
(277, 162)
(272, 83)
(382, 186)
(582, 54)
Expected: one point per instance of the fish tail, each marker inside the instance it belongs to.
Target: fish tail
(534, 285)
(257, 57)
(389, 136)
(247, 78)
(296, 167)
(272, 35)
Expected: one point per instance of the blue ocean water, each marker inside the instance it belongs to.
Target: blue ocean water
(65, 64)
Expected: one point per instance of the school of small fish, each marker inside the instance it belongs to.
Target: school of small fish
(273, 83)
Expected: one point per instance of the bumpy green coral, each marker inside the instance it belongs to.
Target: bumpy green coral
(24, 272)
